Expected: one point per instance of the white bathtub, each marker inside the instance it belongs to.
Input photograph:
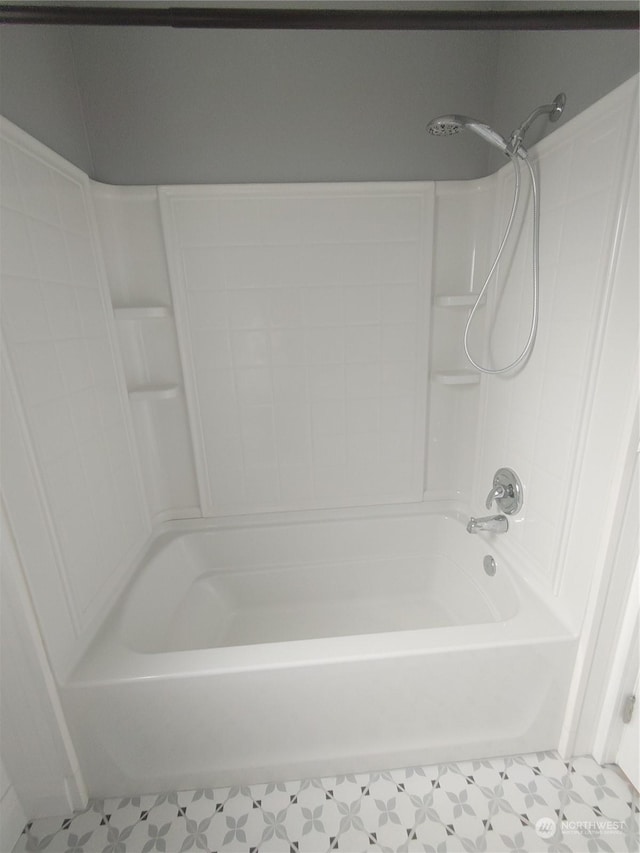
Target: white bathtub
(243, 652)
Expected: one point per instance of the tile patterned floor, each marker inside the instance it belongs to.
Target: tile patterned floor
(525, 804)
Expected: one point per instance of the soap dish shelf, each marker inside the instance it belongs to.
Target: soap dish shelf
(458, 300)
(149, 393)
(144, 312)
(456, 377)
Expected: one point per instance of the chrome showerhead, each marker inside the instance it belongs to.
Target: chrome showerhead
(445, 125)
(450, 124)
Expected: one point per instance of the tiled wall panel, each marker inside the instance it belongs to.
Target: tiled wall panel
(302, 314)
(533, 421)
(55, 326)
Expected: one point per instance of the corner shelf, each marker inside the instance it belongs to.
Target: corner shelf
(459, 300)
(147, 393)
(456, 377)
(147, 312)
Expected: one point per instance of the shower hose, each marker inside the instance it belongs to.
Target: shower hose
(515, 157)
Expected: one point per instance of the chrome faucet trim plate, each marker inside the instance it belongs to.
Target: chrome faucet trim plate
(506, 492)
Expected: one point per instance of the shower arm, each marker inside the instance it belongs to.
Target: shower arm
(553, 110)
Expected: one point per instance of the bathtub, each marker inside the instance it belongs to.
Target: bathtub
(256, 649)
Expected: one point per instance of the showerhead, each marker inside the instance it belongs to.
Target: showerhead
(450, 124)
(445, 125)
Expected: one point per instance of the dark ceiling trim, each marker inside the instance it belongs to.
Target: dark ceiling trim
(319, 19)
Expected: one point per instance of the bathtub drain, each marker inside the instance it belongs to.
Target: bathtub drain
(489, 565)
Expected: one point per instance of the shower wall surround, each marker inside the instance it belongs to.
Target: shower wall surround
(334, 295)
(538, 421)
(69, 461)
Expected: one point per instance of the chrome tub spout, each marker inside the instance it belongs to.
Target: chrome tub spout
(490, 524)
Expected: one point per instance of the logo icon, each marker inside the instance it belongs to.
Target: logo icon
(545, 827)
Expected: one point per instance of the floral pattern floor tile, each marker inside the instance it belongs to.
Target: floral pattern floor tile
(522, 804)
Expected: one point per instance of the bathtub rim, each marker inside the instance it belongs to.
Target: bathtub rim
(107, 660)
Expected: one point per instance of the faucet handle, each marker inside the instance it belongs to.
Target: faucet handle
(495, 494)
(506, 491)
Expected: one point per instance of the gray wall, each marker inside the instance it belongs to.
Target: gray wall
(39, 90)
(534, 66)
(227, 106)
(183, 106)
